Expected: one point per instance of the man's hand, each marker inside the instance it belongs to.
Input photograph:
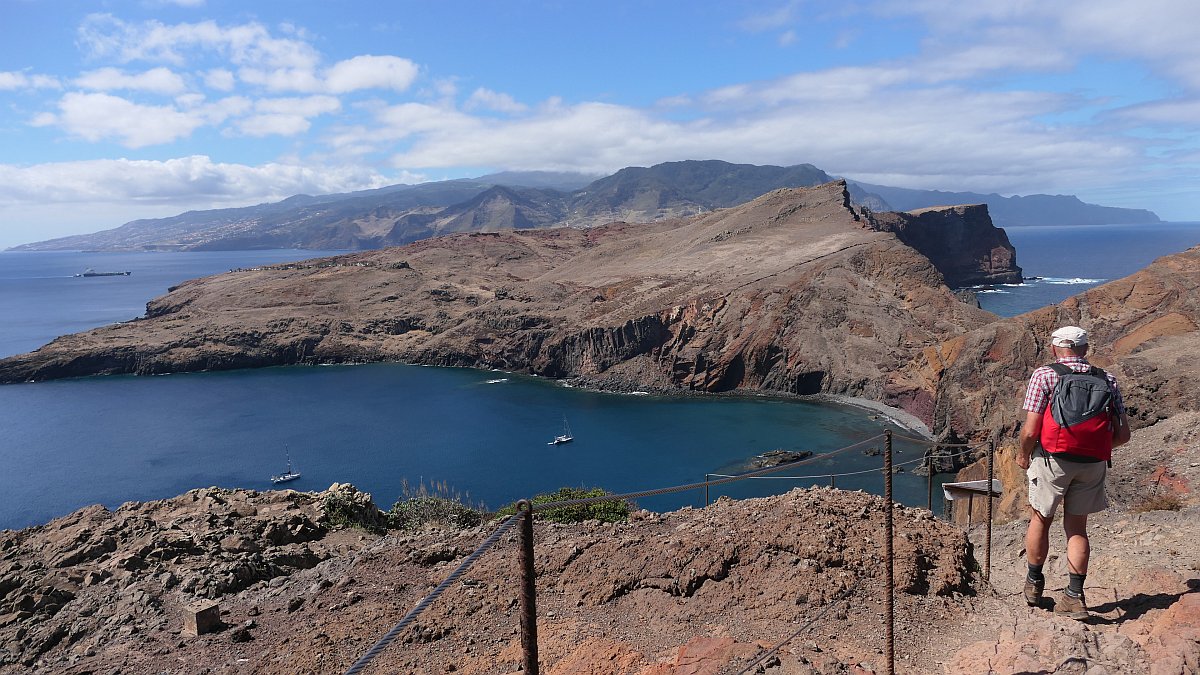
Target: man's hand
(1023, 459)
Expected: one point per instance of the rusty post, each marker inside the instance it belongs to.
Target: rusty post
(706, 488)
(889, 554)
(987, 564)
(929, 479)
(833, 482)
(528, 590)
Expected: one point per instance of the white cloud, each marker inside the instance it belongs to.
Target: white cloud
(12, 80)
(282, 79)
(308, 106)
(157, 80)
(106, 193)
(219, 79)
(274, 125)
(779, 17)
(286, 116)
(1177, 112)
(175, 181)
(371, 72)
(105, 36)
(258, 57)
(96, 117)
(1158, 33)
(487, 99)
(787, 37)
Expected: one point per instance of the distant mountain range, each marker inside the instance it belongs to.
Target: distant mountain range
(400, 214)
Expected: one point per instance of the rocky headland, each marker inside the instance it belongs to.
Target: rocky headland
(796, 292)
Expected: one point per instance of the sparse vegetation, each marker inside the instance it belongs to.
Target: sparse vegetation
(1160, 501)
(436, 504)
(612, 511)
(350, 508)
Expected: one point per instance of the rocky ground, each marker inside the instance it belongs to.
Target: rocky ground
(693, 591)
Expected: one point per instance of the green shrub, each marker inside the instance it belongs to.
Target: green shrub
(612, 511)
(344, 506)
(434, 505)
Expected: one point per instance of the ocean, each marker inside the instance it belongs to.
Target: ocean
(1070, 259)
(107, 440)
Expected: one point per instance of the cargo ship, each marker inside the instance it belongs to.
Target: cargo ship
(93, 273)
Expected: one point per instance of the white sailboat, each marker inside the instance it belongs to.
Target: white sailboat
(565, 437)
(288, 475)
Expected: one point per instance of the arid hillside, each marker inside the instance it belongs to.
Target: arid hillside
(795, 292)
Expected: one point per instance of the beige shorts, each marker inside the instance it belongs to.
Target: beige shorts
(1078, 486)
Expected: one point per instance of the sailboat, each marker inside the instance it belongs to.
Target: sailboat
(288, 475)
(565, 437)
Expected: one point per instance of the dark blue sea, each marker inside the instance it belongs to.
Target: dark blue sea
(107, 440)
(1073, 258)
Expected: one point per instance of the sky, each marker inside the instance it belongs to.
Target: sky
(116, 110)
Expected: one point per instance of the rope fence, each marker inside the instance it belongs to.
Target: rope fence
(383, 642)
(526, 509)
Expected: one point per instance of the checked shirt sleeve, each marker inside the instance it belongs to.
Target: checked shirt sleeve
(1037, 393)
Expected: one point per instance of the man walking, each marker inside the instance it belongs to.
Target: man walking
(1074, 417)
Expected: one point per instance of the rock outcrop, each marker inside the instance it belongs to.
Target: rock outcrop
(97, 591)
(794, 292)
(97, 577)
(959, 240)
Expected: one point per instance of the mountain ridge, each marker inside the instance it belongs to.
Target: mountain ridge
(399, 214)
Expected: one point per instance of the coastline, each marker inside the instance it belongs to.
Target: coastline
(897, 416)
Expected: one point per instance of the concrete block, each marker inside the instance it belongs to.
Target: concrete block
(201, 617)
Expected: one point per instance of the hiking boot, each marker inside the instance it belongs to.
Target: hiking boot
(1033, 592)
(1072, 607)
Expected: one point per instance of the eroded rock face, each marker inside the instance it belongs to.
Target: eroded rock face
(96, 576)
(959, 240)
(794, 292)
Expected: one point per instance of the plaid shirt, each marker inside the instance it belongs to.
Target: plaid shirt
(1043, 380)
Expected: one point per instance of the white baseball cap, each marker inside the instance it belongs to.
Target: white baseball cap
(1069, 336)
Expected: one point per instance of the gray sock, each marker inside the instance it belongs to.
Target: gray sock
(1035, 572)
(1075, 586)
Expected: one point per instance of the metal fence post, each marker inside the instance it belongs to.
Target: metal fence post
(706, 488)
(528, 590)
(889, 554)
(929, 479)
(987, 565)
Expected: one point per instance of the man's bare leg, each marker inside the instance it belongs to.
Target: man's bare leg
(1037, 537)
(1079, 549)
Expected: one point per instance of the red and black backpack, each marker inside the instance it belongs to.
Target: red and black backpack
(1079, 417)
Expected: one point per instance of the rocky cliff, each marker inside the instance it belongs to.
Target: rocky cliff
(960, 241)
(794, 292)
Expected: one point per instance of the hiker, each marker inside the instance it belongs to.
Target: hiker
(1074, 417)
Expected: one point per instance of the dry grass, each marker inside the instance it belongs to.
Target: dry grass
(1160, 501)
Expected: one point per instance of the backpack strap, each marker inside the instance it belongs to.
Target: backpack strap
(1062, 369)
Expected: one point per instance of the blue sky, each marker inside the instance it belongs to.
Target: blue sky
(111, 111)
